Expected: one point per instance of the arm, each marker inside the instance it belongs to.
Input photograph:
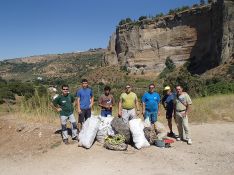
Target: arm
(91, 99)
(159, 109)
(188, 103)
(137, 106)
(159, 99)
(55, 106)
(91, 102)
(100, 103)
(120, 108)
(174, 109)
(78, 105)
(143, 108)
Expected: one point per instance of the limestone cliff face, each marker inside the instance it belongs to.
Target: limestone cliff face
(203, 35)
(228, 32)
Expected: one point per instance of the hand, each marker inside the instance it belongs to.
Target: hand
(138, 112)
(79, 111)
(159, 113)
(59, 109)
(184, 114)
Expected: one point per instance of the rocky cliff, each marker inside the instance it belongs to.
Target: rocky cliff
(202, 35)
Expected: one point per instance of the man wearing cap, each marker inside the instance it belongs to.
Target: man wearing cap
(182, 104)
(150, 104)
(167, 102)
(128, 103)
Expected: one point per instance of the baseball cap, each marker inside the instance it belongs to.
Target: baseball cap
(167, 88)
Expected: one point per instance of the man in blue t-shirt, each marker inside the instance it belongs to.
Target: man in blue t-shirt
(150, 104)
(84, 102)
(167, 102)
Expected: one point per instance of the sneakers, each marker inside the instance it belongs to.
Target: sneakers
(65, 141)
(189, 142)
(178, 139)
(171, 134)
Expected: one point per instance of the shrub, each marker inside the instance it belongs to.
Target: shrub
(170, 67)
(142, 18)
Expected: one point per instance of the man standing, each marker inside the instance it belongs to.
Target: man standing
(64, 105)
(128, 102)
(106, 101)
(182, 104)
(84, 102)
(150, 104)
(167, 102)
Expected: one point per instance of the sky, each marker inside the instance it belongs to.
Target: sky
(36, 27)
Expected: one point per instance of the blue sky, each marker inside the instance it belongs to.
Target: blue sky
(34, 27)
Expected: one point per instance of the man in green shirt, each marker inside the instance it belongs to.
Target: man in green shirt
(182, 104)
(64, 105)
(128, 103)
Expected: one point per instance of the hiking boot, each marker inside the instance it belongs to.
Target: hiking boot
(171, 134)
(66, 141)
(189, 142)
(75, 138)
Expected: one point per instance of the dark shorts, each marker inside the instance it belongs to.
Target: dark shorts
(84, 115)
(104, 112)
(169, 114)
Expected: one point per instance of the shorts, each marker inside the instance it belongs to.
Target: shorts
(169, 115)
(105, 113)
(84, 115)
(153, 116)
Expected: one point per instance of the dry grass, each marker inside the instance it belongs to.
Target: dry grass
(205, 109)
(213, 108)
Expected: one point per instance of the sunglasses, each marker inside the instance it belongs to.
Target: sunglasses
(65, 89)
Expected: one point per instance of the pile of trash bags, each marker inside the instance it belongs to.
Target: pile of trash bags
(114, 134)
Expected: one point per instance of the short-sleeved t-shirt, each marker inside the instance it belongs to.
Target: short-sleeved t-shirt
(65, 103)
(168, 100)
(106, 100)
(85, 95)
(151, 101)
(180, 100)
(128, 100)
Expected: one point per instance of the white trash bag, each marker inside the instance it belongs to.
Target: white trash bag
(104, 128)
(136, 128)
(89, 131)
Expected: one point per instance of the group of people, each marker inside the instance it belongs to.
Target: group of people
(176, 105)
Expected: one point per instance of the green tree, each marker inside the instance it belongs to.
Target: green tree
(170, 65)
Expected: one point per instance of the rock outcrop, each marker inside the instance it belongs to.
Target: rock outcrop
(202, 35)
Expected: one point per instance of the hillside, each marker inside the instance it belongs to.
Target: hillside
(66, 66)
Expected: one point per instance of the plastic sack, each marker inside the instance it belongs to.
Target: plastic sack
(147, 122)
(136, 128)
(122, 128)
(88, 132)
(104, 128)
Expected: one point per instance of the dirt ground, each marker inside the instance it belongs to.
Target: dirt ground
(27, 149)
